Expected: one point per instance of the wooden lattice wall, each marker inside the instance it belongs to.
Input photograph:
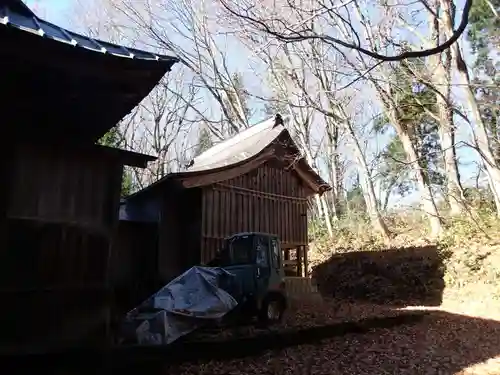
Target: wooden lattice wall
(269, 199)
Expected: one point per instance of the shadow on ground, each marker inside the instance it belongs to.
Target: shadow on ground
(424, 342)
(402, 276)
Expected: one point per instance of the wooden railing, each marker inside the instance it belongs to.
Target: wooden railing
(300, 286)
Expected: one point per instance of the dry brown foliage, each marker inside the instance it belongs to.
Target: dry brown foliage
(454, 280)
(440, 343)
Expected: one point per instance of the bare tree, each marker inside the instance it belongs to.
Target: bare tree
(341, 114)
(336, 171)
(441, 65)
(309, 70)
(481, 139)
(164, 121)
(165, 118)
(188, 29)
(291, 22)
(302, 120)
(388, 93)
(438, 77)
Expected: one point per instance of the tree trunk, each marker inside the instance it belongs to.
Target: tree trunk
(454, 190)
(320, 201)
(326, 215)
(490, 181)
(441, 66)
(335, 174)
(428, 203)
(368, 188)
(388, 192)
(481, 134)
(336, 187)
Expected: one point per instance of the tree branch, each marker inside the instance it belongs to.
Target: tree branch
(296, 36)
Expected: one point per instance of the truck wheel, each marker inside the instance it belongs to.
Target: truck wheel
(272, 310)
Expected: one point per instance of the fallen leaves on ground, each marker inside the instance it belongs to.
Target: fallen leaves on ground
(441, 343)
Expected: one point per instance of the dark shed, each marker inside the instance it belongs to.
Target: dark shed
(255, 181)
(59, 196)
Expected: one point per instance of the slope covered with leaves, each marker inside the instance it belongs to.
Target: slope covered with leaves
(409, 306)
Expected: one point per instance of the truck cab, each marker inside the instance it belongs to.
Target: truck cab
(256, 262)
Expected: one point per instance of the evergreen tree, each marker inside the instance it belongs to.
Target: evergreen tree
(236, 96)
(204, 142)
(414, 102)
(355, 199)
(277, 104)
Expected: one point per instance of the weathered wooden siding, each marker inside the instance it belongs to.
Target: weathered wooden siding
(191, 227)
(169, 253)
(180, 232)
(268, 199)
(134, 274)
(61, 214)
(70, 188)
(5, 164)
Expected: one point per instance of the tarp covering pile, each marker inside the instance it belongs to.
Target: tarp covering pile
(180, 307)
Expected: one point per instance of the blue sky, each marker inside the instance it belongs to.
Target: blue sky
(51, 10)
(57, 11)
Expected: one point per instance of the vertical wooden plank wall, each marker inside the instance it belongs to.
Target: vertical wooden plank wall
(180, 232)
(5, 164)
(170, 253)
(269, 199)
(190, 217)
(59, 235)
(135, 261)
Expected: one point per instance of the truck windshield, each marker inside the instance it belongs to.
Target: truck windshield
(241, 250)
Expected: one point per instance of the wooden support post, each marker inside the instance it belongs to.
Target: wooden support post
(113, 199)
(299, 261)
(287, 254)
(5, 170)
(169, 255)
(306, 261)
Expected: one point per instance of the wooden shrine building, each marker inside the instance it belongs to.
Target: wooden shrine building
(254, 181)
(60, 192)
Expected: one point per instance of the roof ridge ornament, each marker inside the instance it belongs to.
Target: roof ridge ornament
(278, 120)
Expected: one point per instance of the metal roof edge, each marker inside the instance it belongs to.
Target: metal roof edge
(187, 174)
(17, 15)
(315, 178)
(131, 158)
(315, 181)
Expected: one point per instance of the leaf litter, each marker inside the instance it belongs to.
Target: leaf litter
(442, 342)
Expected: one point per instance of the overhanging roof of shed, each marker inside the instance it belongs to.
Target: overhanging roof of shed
(253, 142)
(124, 157)
(59, 82)
(250, 147)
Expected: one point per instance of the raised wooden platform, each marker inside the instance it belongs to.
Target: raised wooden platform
(301, 288)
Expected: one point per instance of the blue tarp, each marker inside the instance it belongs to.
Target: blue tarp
(180, 307)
